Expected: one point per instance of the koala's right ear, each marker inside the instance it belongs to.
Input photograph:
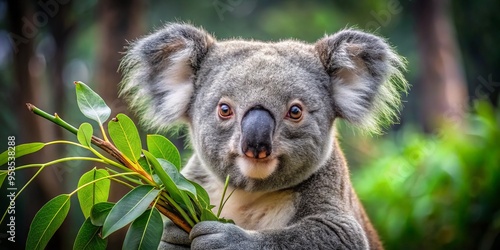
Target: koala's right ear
(366, 78)
(159, 72)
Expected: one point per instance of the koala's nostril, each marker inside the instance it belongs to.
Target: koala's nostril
(249, 153)
(258, 155)
(263, 154)
(257, 132)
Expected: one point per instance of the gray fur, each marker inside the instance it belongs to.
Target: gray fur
(182, 73)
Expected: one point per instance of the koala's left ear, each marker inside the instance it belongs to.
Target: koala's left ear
(366, 80)
(159, 72)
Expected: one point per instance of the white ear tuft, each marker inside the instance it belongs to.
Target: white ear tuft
(366, 78)
(159, 71)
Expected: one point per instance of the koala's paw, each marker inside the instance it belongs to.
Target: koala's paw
(217, 235)
(174, 238)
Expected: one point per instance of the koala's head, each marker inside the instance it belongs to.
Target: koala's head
(262, 112)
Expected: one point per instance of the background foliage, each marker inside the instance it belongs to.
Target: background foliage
(436, 191)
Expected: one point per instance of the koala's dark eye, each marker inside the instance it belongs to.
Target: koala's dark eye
(295, 113)
(225, 111)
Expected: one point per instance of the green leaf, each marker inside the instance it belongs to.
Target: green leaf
(128, 208)
(145, 165)
(91, 104)
(188, 203)
(125, 136)
(46, 222)
(161, 147)
(88, 237)
(93, 193)
(145, 232)
(22, 149)
(167, 181)
(84, 134)
(183, 186)
(202, 194)
(180, 181)
(99, 212)
(208, 215)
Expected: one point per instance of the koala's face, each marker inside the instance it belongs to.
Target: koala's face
(262, 113)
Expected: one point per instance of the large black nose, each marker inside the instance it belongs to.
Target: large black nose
(257, 129)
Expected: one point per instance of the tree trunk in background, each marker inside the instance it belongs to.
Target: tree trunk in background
(443, 92)
(28, 75)
(118, 22)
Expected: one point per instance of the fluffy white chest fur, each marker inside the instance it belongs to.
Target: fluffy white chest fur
(254, 210)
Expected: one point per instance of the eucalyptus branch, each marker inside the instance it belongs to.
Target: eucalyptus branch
(53, 118)
(162, 206)
(123, 159)
(102, 144)
(179, 209)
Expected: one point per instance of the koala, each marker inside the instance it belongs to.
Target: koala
(264, 113)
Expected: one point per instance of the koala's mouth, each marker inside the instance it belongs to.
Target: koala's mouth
(256, 168)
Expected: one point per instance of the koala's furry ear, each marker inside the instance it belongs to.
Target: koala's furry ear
(366, 78)
(159, 72)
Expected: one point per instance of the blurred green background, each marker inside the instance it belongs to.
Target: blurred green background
(431, 182)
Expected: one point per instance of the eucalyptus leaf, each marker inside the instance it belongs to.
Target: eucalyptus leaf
(84, 134)
(180, 181)
(99, 212)
(145, 232)
(88, 237)
(182, 186)
(46, 222)
(145, 165)
(161, 147)
(167, 181)
(208, 215)
(128, 208)
(93, 193)
(21, 150)
(91, 104)
(124, 134)
(187, 203)
(202, 194)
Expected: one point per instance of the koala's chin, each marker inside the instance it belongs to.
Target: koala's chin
(256, 168)
(263, 113)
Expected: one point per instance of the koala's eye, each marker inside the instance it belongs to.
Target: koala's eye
(225, 111)
(295, 113)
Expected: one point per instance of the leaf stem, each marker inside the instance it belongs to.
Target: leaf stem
(100, 179)
(122, 182)
(125, 177)
(221, 204)
(103, 144)
(53, 118)
(178, 208)
(173, 217)
(76, 158)
(103, 133)
(42, 166)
